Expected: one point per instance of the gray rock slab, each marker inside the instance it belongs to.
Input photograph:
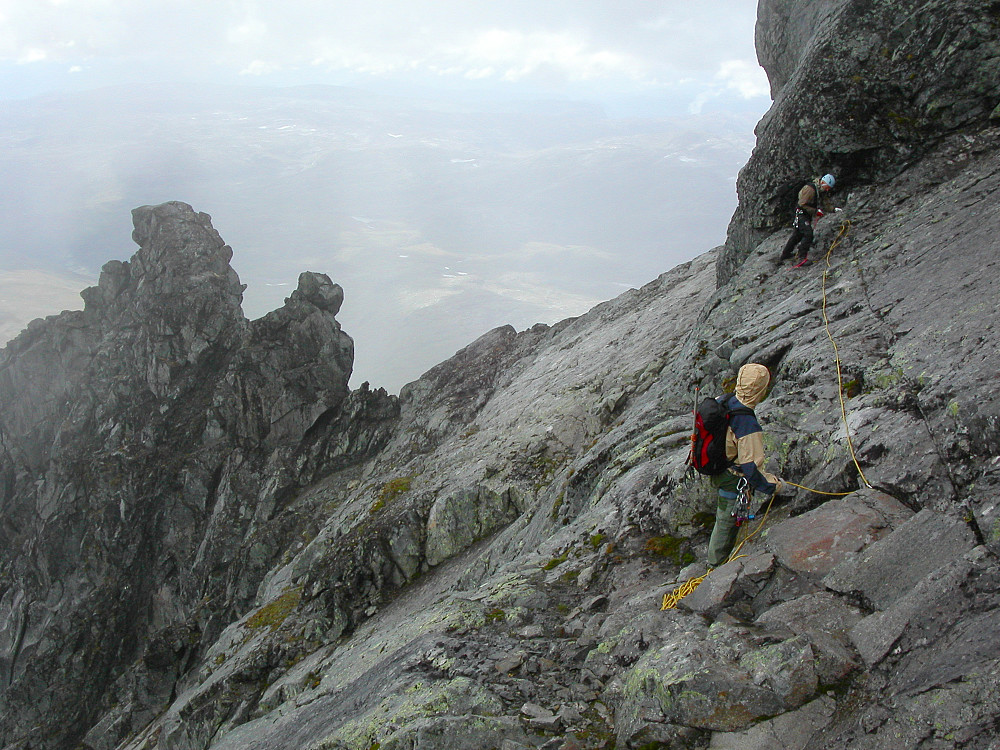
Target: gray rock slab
(788, 668)
(509, 663)
(875, 635)
(968, 650)
(743, 577)
(455, 733)
(756, 572)
(959, 714)
(534, 711)
(826, 620)
(789, 731)
(684, 683)
(821, 611)
(458, 519)
(890, 568)
(821, 539)
(712, 593)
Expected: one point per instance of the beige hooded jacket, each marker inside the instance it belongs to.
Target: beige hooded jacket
(751, 388)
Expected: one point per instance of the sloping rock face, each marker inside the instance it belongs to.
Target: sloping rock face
(243, 554)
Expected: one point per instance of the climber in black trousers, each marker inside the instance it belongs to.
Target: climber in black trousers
(807, 210)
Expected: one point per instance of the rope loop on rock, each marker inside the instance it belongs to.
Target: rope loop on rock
(818, 492)
(672, 598)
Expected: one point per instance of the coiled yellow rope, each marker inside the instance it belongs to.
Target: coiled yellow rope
(672, 598)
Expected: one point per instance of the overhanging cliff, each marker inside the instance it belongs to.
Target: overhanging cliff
(864, 90)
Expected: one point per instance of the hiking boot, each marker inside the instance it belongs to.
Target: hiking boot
(802, 262)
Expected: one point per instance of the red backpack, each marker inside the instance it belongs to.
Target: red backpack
(708, 441)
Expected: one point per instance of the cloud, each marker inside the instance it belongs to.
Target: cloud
(251, 31)
(513, 55)
(747, 80)
(259, 68)
(559, 42)
(739, 77)
(31, 55)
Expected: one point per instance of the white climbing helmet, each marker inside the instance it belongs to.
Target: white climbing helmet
(828, 179)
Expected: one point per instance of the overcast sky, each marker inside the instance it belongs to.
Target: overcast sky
(663, 58)
(676, 50)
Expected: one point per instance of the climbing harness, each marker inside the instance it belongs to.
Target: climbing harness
(739, 545)
(741, 507)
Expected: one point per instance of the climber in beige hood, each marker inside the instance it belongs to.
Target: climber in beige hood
(751, 384)
(745, 449)
(745, 437)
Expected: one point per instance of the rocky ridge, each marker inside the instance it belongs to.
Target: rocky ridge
(215, 545)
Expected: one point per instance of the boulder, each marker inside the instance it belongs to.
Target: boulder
(816, 542)
(876, 634)
(826, 621)
(458, 519)
(887, 570)
(682, 682)
(795, 730)
(731, 583)
(787, 668)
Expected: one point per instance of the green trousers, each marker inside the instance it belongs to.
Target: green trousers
(723, 538)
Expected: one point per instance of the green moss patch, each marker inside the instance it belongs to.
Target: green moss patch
(274, 613)
(390, 491)
(667, 546)
(555, 562)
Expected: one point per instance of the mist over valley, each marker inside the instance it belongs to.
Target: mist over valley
(440, 216)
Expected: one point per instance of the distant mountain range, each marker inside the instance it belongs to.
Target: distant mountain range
(440, 218)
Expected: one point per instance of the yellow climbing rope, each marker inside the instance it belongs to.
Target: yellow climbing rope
(844, 228)
(818, 492)
(672, 598)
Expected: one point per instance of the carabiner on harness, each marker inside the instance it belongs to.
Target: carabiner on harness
(741, 508)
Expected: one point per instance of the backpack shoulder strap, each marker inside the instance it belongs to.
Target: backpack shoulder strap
(735, 410)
